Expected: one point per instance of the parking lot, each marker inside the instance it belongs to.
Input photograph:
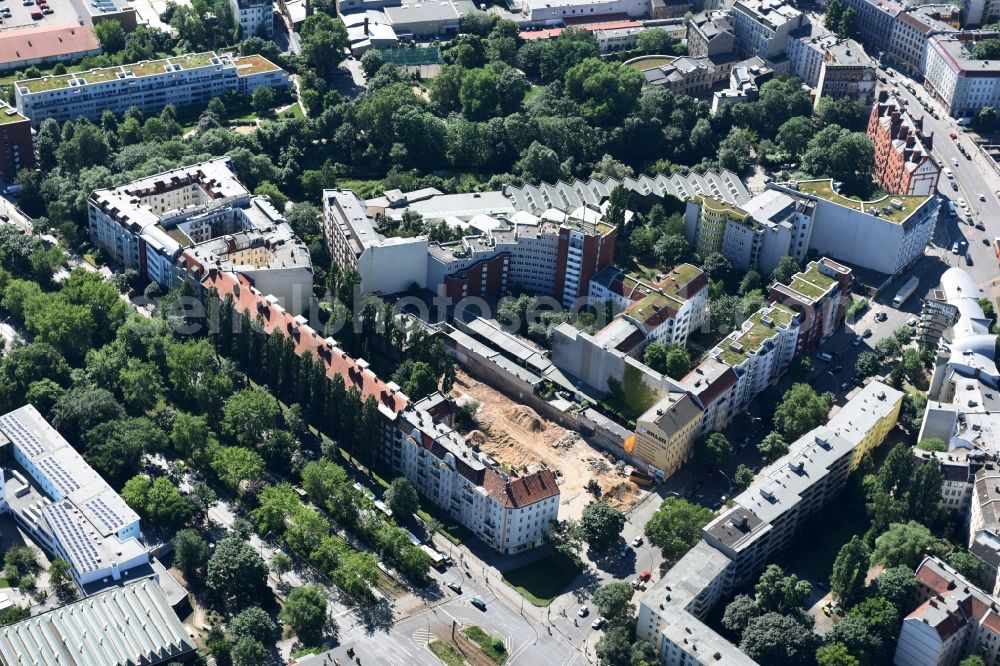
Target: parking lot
(17, 14)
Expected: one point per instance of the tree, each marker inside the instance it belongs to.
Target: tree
(835, 654)
(356, 572)
(158, 500)
(236, 572)
(986, 118)
(776, 639)
(743, 476)
(787, 267)
(676, 526)
(845, 112)
(800, 410)
(253, 622)
(539, 163)
(896, 472)
(248, 651)
(713, 451)
(739, 612)
(669, 359)
(845, 156)
(969, 566)
(972, 660)
(60, 578)
(932, 444)
(736, 149)
(115, 449)
(924, 495)
(897, 585)
(81, 409)
(604, 90)
(190, 552)
(234, 464)
(280, 564)
(262, 101)
(402, 497)
(867, 364)
(987, 49)
(249, 415)
(773, 446)
(656, 41)
(780, 593)
(614, 602)
(905, 543)
(305, 612)
(323, 42)
(615, 647)
(601, 524)
(847, 583)
(371, 62)
(793, 136)
(111, 35)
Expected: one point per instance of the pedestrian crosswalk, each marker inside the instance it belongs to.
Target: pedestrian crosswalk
(422, 636)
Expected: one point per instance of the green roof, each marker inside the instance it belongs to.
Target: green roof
(811, 282)
(9, 115)
(753, 338)
(824, 190)
(103, 74)
(667, 294)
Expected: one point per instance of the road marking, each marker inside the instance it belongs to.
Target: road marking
(422, 636)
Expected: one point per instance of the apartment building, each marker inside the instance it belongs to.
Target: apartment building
(690, 75)
(954, 620)
(666, 311)
(912, 31)
(820, 294)
(184, 80)
(738, 543)
(762, 27)
(710, 34)
(767, 514)
(756, 234)
(65, 506)
(886, 235)
(17, 145)
(508, 512)
(745, 81)
(665, 433)
(874, 21)
(671, 612)
(173, 226)
(904, 163)
(958, 81)
(255, 17)
(846, 72)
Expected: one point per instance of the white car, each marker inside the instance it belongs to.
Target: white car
(583, 612)
(636, 542)
(961, 202)
(982, 197)
(954, 161)
(912, 322)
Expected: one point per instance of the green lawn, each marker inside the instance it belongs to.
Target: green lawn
(542, 581)
(485, 641)
(446, 653)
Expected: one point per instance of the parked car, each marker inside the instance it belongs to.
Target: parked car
(583, 612)
(954, 247)
(912, 322)
(478, 603)
(455, 587)
(636, 542)
(968, 260)
(598, 622)
(867, 334)
(980, 226)
(982, 197)
(857, 340)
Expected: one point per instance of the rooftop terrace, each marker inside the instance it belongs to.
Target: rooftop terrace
(811, 282)
(10, 115)
(824, 190)
(668, 294)
(752, 338)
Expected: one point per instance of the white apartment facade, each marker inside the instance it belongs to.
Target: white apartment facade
(256, 17)
(961, 83)
(172, 226)
(149, 86)
(761, 27)
(508, 513)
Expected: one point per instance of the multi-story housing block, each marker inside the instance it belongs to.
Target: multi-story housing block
(767, 514)
(665, 433)
(961, 83)
(737, 544)
(66, 506)
(761, 27)
(912, 31)
(173, 226)
(666, 311)
(954, 619)
(256, 17)
(17, 145)
(508, 512)
(887, 235)
(558, 12)
(874, 21)
(710, 34)
(846, 72)
(149, 86)
(904, 163)
(820, 294)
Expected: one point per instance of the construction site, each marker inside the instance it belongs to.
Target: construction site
(516, 436)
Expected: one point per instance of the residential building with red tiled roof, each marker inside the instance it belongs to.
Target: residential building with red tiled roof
(904, 163)
(39, 45)
(954, 619)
